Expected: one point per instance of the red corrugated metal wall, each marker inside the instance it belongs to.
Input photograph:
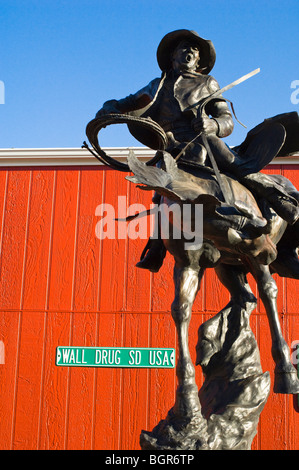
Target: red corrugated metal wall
(61, 285)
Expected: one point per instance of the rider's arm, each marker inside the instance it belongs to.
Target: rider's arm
(219, 112)
(132, 102)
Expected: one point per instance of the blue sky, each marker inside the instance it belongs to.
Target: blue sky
(61, 59)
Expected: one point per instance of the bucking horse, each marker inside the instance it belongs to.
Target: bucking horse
(226, 249)
(226, 246)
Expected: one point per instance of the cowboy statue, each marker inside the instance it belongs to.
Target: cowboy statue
(174, 101)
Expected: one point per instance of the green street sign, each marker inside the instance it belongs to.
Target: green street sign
(73, 356)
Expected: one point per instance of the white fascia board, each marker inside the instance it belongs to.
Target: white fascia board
(12, 157)
(65, 156)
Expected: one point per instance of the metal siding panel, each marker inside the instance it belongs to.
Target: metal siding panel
(63, 241)
(28, 392)
(162, 382)
(88, 247)
(108, 387)
(80, 400)
(135, 383)
(13, 239)
(38, 240)
(52, 431)
(113, 268)
(94, 295)
(139, 288)
(9, 326)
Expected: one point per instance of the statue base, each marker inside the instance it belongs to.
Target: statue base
(176, 433)
(232, 397)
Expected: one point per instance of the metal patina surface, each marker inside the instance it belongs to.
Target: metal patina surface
(250, 225)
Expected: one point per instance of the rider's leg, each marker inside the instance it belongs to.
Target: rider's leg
(285, 205)
(276, 194)
(154, 252)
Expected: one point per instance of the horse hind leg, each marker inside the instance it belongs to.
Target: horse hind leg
(286, 380)
(286, 263)
(235, 280)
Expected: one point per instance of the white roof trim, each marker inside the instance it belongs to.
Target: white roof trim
(64, 156)
(82, 157)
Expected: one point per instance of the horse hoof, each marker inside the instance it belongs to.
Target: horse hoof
(286, 383)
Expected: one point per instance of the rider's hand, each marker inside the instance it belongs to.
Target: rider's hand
(108, 108)
(206, 125)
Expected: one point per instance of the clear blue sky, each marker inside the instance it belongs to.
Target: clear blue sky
(61, 59)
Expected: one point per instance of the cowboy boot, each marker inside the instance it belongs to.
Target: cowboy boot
(154, 252)
(153, 255)
(284, 204)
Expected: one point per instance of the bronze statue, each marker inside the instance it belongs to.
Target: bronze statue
(250, 224)
(174, 102)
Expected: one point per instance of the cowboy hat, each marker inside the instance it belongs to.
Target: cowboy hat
(170, 42)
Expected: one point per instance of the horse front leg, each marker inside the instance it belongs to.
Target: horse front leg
(187, 282)
(286, 380)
